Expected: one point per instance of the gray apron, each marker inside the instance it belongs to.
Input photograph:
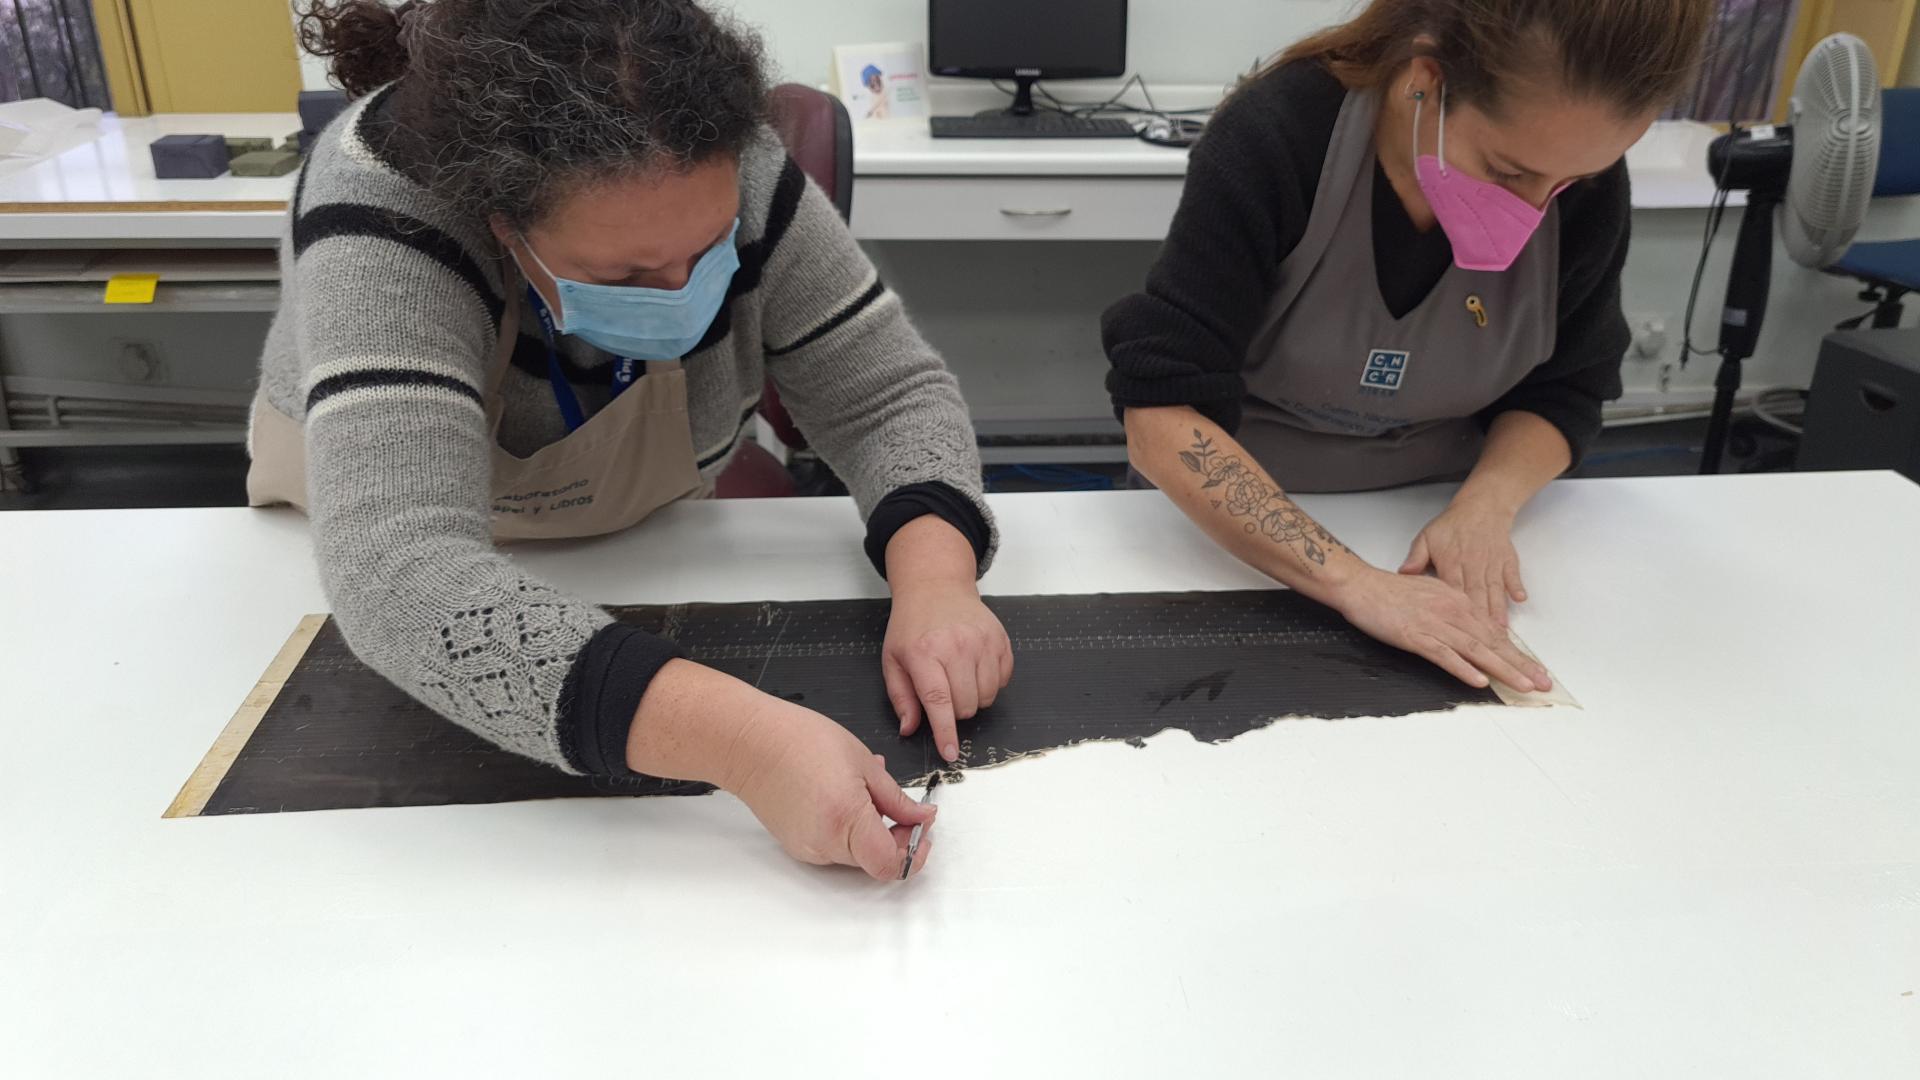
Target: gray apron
(1342, 396)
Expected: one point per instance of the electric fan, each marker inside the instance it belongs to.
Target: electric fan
(1816, 174)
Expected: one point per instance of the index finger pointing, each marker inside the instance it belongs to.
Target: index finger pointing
(930, 683)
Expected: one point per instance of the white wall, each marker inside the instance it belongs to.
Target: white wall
(1172, 41)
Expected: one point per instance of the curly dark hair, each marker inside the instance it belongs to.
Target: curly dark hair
(515, 102)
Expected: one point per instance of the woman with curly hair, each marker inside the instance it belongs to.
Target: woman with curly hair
(535, 279)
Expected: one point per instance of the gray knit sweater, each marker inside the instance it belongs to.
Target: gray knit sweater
(390, 309)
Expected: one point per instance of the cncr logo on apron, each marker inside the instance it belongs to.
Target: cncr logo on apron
(1385, 368)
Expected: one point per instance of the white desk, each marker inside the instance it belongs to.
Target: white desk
(911, 187)
(1711, 870)
(105, 193)
(915, 187)
(901, 148)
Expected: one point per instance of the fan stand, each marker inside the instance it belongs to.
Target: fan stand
(1888, 308)
(1747, 286)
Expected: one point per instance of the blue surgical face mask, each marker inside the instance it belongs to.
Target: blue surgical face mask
(647, 324)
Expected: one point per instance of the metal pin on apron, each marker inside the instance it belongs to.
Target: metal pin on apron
(1479, 311)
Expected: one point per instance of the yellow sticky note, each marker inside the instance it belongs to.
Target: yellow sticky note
(132, 288)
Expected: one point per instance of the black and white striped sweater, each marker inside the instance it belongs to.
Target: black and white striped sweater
(391, 304)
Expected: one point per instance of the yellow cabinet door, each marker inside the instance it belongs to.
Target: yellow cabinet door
(1883, 24)
(199, 56)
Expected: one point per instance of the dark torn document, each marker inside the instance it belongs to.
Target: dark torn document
(1088, 668)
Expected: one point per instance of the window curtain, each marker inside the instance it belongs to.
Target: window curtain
(1746, 51)
(50, 49)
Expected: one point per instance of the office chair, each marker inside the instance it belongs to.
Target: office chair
(818, 134)
(1890, 269)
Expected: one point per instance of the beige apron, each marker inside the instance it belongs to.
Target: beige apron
(628, 460)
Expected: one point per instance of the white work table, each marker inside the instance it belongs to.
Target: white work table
(1712, 869)
(104, 192)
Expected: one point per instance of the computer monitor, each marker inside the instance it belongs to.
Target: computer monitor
(1027, 40)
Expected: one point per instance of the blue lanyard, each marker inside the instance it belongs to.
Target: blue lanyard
(626, 370)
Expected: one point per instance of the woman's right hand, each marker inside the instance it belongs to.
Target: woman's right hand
(820, 792)
(1430, 618)
(813, 785)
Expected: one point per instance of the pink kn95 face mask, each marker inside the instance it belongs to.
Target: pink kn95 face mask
(1487, 225)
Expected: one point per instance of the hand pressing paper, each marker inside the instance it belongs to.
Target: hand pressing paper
(1533, 699)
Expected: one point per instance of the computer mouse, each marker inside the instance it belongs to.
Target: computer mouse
(1172, 131)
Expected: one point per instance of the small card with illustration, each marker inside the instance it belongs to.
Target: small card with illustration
(881, 82)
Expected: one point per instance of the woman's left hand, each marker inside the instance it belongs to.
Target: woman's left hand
(946, 657)
(1470, 547)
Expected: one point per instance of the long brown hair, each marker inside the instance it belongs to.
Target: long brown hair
(1634, 54)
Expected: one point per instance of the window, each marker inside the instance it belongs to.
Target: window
(50, 49)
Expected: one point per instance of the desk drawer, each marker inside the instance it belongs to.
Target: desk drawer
(1014, 208)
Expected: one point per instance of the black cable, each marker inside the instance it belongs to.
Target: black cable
(1053, 102)
(1084, 110)
(1718, 209)
(1115, 104)
(1114, 101)
(1709, 233)
(1148, 94)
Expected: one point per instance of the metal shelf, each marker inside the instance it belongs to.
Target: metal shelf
(162, 436)
(84, 298)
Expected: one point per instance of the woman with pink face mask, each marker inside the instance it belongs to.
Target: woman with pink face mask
(1398, 260)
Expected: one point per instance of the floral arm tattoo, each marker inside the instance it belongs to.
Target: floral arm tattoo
(1266, 508)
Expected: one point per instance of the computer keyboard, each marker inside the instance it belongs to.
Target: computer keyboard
(1041, 125)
